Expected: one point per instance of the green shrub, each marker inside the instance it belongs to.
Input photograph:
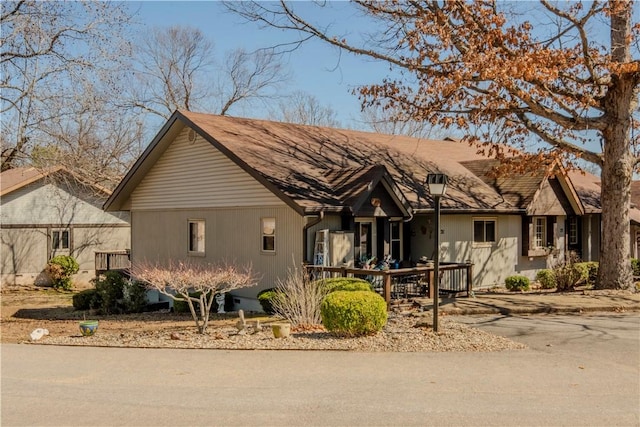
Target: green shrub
(635, 266)
(589, 272)
(60, 269)
(85, 300)
(116, 295)
(570, 274)
(345, 284)
(517, 283)
(546, 278)
(353, 313)
(266, 298)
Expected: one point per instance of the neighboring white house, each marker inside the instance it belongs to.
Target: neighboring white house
(214, 188)
(44, 213)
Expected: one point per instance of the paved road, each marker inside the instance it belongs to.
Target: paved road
(579, 370)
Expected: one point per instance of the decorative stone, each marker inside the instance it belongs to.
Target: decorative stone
(38, 334)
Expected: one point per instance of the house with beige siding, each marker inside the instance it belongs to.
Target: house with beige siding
(214, 188)
(49, 212)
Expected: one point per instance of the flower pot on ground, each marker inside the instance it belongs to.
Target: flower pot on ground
(88, 327)
(281, 330)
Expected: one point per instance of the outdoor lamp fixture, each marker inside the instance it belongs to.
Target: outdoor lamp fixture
(437, 184)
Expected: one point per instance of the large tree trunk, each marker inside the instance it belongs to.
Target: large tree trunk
(620, 100)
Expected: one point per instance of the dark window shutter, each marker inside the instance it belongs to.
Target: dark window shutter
(526, 232)
(551, 227)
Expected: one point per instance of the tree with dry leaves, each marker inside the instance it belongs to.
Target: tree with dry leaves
(558, 86)
(195, 283)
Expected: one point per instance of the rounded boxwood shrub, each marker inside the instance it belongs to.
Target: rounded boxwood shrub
(353, 313)
(60, 269)
(85, 300)
(345, 284)
(546, 278)
(517, 283)
(266, 298)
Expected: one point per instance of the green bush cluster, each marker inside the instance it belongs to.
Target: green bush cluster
(113, 294)
(60, 269)
(635, 266)
(84, 300)
(517, 283)
(266, 298)
(546, 278)
(570, 274)
(589, 272)
(345, 284)
(353, 313)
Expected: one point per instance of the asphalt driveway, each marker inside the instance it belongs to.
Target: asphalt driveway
(579, 370)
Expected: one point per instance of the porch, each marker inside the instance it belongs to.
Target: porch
(112, 260)
(402, 283)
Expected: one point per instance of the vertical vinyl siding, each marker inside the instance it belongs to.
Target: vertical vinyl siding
(196, 175)
(492, 262)
(23, 253)
(231, 235)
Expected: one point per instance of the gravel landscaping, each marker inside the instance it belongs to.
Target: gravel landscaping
(403, 333)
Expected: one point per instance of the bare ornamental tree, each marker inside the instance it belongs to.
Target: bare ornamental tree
(545, 74)
(197, 284)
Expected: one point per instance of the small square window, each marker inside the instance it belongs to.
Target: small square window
(196, 236)
(268, 229)
(484, 230)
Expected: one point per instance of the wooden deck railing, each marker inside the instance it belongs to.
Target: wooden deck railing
(404, 282)
(112, 260)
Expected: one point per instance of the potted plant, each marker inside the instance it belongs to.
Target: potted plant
(88, 327)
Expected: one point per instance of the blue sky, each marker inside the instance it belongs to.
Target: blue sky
(316, 68)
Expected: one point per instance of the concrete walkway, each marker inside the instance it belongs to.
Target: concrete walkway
(531, 303)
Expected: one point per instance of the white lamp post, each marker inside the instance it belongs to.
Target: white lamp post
(437, 184)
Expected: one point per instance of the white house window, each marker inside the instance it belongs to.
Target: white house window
(395, 240)
(484, 230)
(573, 230)
(196, 237)
(268, 228)
(539, 232)
(60, 239)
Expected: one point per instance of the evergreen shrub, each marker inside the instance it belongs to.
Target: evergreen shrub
(353, 313)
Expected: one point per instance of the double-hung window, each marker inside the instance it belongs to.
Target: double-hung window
(573, 230)
(539, 232)
(484, 230)
(268, 230)
(196, 237)
(395, 240)
(59, 239)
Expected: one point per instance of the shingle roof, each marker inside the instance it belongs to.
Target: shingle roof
(16, 178)
(304, 161)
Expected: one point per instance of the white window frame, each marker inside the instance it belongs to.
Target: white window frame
(268, 230)
(573, 230)
(196, 248)
(539, 232)
(484, 220)
(397, 257)
(60, 233)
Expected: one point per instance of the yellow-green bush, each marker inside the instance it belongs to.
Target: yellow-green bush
(353, 313)
(345, 284)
